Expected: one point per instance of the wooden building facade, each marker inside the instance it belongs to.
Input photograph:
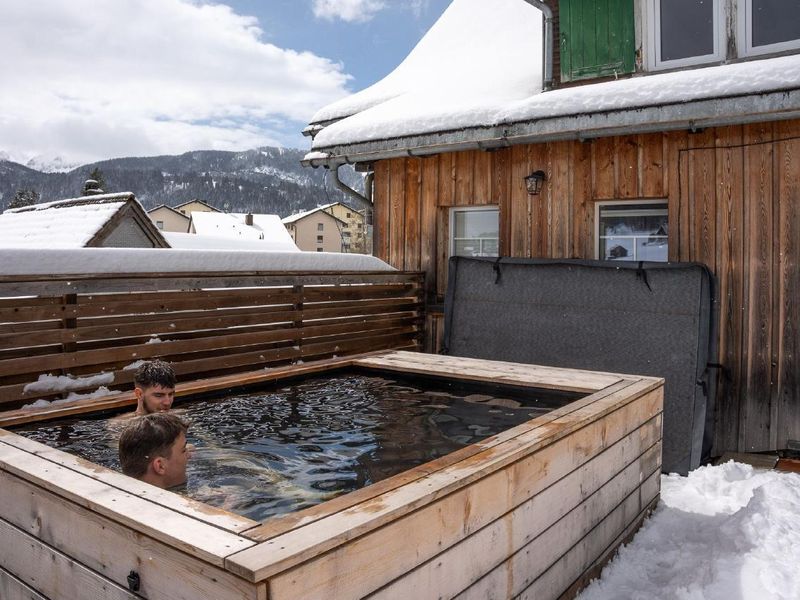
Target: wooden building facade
(733, 196)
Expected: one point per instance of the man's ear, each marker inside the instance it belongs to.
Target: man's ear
(138, 392)
(158, 465)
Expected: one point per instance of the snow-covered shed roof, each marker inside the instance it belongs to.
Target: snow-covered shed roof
(421, 110)
(307, 213)
(74, 222)
(214, 228)
(19, 261)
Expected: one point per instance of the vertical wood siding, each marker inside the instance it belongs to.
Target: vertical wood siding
(734, 204)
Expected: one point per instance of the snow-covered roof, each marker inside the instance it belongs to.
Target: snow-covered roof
(266, 229)
(489, 50)
(306, 213)
(70, 223)
(169, 208)
(460, 89)
(19, 261)
(213, 208)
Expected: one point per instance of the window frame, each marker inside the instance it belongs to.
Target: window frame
(653, 38)
(744, 34)
(598, 206)
(451, 246)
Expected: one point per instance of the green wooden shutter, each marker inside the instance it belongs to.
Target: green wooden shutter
(597, 38)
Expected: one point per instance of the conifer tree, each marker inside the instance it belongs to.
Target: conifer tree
(24, 197)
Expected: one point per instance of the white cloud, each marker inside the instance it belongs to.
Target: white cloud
(89, 79)
(347, 10)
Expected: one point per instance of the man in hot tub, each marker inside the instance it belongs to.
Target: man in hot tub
(153, 449)
(154, 387)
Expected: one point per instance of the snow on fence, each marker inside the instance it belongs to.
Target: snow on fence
(71, 329)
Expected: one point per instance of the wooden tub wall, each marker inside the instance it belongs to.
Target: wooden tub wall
(529, 512)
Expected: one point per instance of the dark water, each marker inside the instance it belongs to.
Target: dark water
(269, 453)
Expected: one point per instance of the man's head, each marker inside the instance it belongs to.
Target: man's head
(153, 448)
(154, 385)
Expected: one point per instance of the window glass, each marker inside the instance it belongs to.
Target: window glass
(687, 28)
(774, 21)
(319, 239)
(630, 231)
(320, 226)
(475, 232)
(160, 224)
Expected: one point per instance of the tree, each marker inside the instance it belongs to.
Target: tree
(24, 197)
(96, 184)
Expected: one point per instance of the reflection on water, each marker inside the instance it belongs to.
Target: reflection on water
(270, 453)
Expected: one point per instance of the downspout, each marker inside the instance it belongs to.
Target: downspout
(367, 198)
(547, 84)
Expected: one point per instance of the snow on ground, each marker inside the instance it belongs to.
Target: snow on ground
(728, 532)
(24, 261)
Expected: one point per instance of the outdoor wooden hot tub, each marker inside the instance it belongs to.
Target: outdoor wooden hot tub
(531, 512)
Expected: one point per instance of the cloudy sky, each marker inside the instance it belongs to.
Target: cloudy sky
(92, 79)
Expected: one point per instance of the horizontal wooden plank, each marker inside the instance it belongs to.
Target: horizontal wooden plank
(12, 588)
(50, 572)
(47, 285)
(587, 533)
(460, 566)
(190, 535)
(462, 536)
(113, 550)
(494, 371)
(305, 542)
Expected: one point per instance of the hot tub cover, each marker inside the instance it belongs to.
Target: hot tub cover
(656, 319)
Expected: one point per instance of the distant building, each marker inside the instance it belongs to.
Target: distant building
(166, 218)
(195, 205)
(216, 230)
(354, 231)
(317, 231)
(96, 221)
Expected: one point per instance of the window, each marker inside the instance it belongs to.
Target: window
(597, 38)
(632, 230)
(474, 231)
(320, 226)
(319, 239)
(160, 224)
(346, 234)
(348, 215)
(319, 249)
(684, 32)
(768, 26)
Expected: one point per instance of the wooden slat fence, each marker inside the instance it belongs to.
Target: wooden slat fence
(214, 324)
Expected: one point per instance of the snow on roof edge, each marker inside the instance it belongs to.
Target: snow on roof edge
(75, 261)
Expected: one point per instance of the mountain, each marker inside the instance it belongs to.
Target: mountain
(265, 180)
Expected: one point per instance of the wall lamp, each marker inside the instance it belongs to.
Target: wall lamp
(534, 181)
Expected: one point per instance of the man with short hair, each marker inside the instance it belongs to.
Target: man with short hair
(152, 448)
(154, 383)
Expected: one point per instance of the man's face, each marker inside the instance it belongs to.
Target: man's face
(174, 465)
(155, 399)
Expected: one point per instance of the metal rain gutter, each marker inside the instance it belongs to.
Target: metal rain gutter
(334, 168)
(772, 106)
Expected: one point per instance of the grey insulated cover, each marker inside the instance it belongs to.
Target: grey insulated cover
(654, 319)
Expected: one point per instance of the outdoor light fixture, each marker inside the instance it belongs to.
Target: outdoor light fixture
(534, 181)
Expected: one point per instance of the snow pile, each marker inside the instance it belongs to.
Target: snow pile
(54, 227)
(722, 532)
(72, 396)
(478, 54)
(24, 261)
(63, 383)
